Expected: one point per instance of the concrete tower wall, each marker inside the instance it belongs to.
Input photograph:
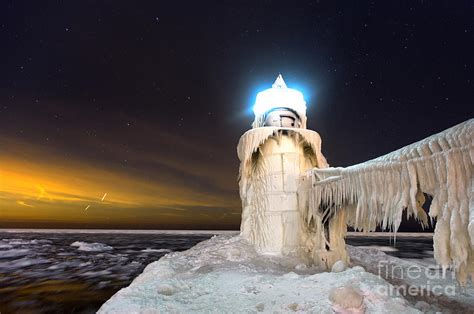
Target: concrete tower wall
(283, 162)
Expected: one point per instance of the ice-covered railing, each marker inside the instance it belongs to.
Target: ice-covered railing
(377, 191)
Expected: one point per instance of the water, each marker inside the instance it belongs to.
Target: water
(41, 272)
(61, 272)
(409, 246)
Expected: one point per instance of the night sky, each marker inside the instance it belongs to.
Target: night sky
(146, 101)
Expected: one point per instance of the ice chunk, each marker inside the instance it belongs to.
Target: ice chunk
(91, 247)
(148, 250)
(166, 289)
(338, 267)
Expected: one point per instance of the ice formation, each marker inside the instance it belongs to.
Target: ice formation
(273, 163)
(263, 152)
(377, 191)
(275, 156)
(226, 275)
(427, 281)
(91, 247)
(294, 204)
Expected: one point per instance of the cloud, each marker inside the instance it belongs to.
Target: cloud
(51, 187)
(23, 204)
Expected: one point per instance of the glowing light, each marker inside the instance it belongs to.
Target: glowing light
(279, 96)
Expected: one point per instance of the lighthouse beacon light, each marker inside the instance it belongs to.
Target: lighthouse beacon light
(279, 99)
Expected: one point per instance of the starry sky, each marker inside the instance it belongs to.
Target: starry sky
(122, 114)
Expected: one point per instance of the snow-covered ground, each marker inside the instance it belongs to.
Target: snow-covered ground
(225, 274)
(421, 281)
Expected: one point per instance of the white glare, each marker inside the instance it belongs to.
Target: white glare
(279, 96)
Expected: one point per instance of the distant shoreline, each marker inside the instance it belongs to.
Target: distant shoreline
(230, 232)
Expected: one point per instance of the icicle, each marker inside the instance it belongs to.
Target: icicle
(254, 180)
(377, 192)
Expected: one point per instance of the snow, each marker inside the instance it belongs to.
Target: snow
(429, 283)
(347, 297)
(225, 274)
(252, 139)
(91, 247)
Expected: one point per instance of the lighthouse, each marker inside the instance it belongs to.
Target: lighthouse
(276, 157)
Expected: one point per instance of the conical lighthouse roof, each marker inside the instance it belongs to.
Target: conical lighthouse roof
(279, 82)
(279, 96)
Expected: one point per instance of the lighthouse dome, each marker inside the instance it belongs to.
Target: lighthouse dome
(279, 97)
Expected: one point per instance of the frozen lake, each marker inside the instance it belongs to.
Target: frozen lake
(77, 271)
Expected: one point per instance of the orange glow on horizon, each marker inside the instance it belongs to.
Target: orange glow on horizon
(37, 186)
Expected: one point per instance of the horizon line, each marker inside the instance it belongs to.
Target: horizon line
(164, 231)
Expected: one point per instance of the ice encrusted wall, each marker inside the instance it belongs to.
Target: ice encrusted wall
(273, 160)
(377, 191)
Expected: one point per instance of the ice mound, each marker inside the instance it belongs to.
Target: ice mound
(422, 282)
(91, 247)
(225, 274)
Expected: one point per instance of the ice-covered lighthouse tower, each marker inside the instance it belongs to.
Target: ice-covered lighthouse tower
(275, 157)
